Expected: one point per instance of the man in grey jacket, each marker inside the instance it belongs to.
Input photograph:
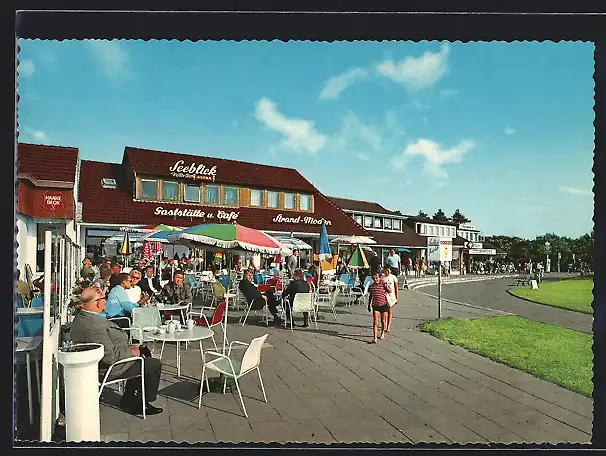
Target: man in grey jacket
(90, 326)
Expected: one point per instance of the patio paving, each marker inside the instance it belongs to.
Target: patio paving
(330, 386)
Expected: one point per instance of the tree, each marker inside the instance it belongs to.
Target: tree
(459, 218)
(440, 215)
(422, 214)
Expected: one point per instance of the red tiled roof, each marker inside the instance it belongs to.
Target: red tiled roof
(52, 163)
(157, 163)
(408, 238)
(362, 206)
(116, 206)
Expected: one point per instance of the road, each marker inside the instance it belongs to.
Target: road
(492, 294)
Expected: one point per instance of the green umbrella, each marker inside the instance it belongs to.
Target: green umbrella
(358, 259)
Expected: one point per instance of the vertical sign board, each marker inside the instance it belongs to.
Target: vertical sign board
(433, 249)
(445, 249)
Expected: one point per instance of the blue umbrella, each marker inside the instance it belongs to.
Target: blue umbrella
(402, 249)
(324, 249)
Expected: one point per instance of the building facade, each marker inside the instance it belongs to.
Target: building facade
(46, 199)
(388, 228)
(154, 187)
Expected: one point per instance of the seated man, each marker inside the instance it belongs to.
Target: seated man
(118, 302)
(87, 327)
(177, 291)
(257, 299)
(150, 285)
(114, 279)
(87, 271)
(298, 285)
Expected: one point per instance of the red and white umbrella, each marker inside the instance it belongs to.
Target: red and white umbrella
(147, 251)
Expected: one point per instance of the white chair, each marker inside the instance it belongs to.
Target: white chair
(230, 367)
(304, 302)
(145, 318)
(120, 380)
(362, 292)
(328, 300)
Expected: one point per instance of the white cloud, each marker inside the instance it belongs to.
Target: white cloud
(113, 59)
(417, 73)
(26, 67)
(337, 84)
(510, 131)
(353, 130)
(35, 134)
(300, 135)
(362, 156)
(435, 156)
(576, 191)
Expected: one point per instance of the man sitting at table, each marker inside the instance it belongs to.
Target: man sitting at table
(114, 279)
(177, 291)
(87, 327)
(150, 284)
(256, 299)
(118, 302)
(298, 285)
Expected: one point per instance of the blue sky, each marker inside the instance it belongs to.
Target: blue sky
(502, 131)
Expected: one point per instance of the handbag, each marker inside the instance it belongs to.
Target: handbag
(391, 299)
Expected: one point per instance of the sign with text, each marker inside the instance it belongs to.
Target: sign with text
(52, 201)
(193, 171)
(300, 220)
(482, 251)
(197, 213)
(467, 226)
(439, 249)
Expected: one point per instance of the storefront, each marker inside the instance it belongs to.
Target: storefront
(152, 188)
(45, 200)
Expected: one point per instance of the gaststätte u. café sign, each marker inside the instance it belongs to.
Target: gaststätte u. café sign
(197, 213)
(52, 201)
(193, 171)
(299, 220)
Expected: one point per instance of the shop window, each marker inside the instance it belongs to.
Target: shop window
(397, 224)
(211, 194)
(305, 202)
(149, 189)
(272, 199)
(367, 222)
(358, 219)
(171, 191)
(387, 223)
(230, 196)
(289, 200)
(378, 222)
(191, 193)
(256, 198)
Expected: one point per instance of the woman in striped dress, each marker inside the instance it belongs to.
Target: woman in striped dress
(378, 301)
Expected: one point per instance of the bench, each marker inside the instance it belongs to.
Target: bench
(523, 281)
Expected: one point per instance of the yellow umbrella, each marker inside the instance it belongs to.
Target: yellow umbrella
(125, 247)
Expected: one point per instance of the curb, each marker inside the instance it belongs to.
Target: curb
(433, 282)
(467, 304)
(548, 305)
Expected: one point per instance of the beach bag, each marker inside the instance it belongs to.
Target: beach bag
(391, 299)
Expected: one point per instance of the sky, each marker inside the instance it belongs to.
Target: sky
(501, 131)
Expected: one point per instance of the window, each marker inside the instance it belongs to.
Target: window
(397, 224)
(149, 189)
(272, 199)
(171, 191)
(358, 219)
(211, 194)
(418, 228)
(289, 200)
(305, 202)
(108, 182)
(256, 198)
(230, 196)
(441, 231)
(378, 222)
(367, 222)
(423, 229)
(387, 223)
(191, 193)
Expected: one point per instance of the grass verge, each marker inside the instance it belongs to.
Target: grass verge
(572, 294)
(558, 355)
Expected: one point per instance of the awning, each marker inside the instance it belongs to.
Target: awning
(293, 243)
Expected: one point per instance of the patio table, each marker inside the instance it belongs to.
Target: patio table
(197, 333)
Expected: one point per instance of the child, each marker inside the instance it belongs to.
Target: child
(378, 300)
(391, 280)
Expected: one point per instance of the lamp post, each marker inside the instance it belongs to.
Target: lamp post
(547, 265)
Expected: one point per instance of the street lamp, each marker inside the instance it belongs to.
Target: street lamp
(547, 265)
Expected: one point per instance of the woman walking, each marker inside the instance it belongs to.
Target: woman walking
(392, 297)
(378, 301)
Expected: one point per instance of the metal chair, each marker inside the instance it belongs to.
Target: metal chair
(121, 380)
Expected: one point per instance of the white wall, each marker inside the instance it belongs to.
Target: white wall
(26, 239)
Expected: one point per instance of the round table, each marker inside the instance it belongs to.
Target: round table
(172, 307)
(198, 333)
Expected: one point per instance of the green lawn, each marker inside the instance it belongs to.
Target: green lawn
(559, 355)
(572, 294)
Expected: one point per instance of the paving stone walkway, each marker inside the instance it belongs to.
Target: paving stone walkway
(328, 385)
